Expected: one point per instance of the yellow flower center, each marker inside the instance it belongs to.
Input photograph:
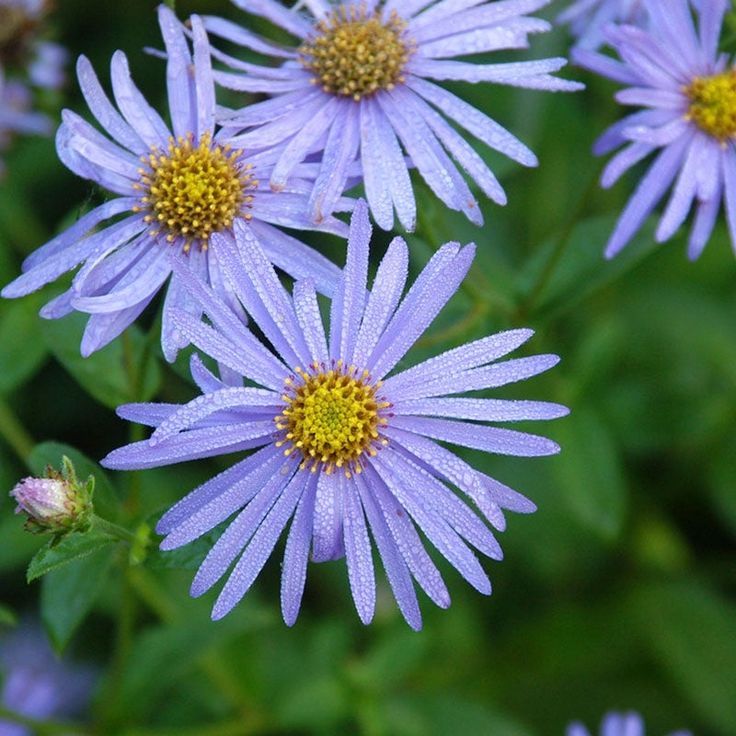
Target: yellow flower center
(713, 104)
(332, 417)
(354, 53)
(191, 191)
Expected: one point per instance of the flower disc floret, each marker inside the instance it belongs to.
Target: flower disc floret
(191, 191)
(332, 417)
(713, 104)
(355, 53)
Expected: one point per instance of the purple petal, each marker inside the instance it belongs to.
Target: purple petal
(479, 437)
(349, 299)
(296, 555)
(358, 554)
(382, 300)
(328, 518)
(408, 541)
(213, 488)
(260, 547)
(396, 569)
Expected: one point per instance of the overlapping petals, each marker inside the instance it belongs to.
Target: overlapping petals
(379, 137)
(588, 18)
(125, 259)
(409, 485)
(658, 66)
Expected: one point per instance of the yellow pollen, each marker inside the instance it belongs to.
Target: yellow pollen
(191, 191)
(355, 53)
(713, 104)
(332, 417)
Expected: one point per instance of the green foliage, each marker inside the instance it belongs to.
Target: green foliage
(177, 649)
(68, 593)
(692, 632)
(7, 617)
(74, 546)
(19, 325)
(126, 370)
(617, 593)
(591, 479)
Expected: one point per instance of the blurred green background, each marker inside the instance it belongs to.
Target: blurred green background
(619, 593)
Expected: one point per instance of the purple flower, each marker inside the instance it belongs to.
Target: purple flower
(25, 62)
(588, 18)
(35, 683)
(617, 724)
(688, 91)
(359, 88)
(341, 449)
(175, 187)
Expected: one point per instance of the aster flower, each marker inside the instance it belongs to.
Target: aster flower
(588, 18)
(359, 85)
(617, 724)
(341, 449)
(688, 91)
(35, 684)
(26, 62)
(175, 187)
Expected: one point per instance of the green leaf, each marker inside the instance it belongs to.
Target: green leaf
(692, 631)
(174, 649)
(575, 269)
(74, 546)
(721, 472)
(7, 616)
(106, 501)
(22, 350)
(69, 592)
(124, 371)
(445, 715)
(590, 474)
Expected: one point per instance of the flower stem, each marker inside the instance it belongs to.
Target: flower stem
(526, 307)
(14, 433)
(114, 530)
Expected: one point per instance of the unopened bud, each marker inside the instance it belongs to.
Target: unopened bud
(57, 503)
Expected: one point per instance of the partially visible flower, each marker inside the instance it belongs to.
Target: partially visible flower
(35, 684)
(688, 90)
(343, 446)
(588, 18)
(177, 187)
(57, 503)
(617, 724)
(358, 89)
(26, 62)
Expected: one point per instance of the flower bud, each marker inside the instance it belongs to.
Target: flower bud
(57, 503)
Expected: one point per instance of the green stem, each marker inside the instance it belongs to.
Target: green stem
(114, 530)
(153, 595)
(559, 250)
(123, 644)
(14, 433)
